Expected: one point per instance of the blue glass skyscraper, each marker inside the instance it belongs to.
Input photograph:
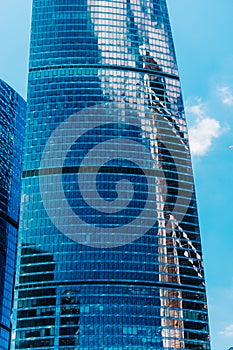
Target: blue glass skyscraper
(109, 249)
(12, 120)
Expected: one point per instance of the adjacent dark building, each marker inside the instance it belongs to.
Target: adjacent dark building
(12, 119)
(94, 273)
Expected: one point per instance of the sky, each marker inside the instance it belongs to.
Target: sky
(203, 32)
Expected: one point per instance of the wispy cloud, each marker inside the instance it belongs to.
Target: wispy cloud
(228, 331)
(226, 95)
(203, 128)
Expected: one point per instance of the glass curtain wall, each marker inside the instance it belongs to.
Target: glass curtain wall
(94, 275)
(12, 120)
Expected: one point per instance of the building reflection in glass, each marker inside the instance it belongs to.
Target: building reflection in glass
(150, 293)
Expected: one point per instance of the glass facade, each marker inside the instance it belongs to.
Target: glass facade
(12, 119)
(105, 107)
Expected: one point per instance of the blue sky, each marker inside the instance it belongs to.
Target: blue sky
(203, 33)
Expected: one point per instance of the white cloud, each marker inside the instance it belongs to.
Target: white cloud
(226, 95)
(203, 130)
(228, 331)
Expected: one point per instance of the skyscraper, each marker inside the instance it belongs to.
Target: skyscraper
(12, 120)
(109, 249)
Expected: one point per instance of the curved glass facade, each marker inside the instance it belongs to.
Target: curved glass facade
(120, 269)
(12, 120)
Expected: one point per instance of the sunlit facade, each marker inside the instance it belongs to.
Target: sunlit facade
(12, 119)
(73, 290)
